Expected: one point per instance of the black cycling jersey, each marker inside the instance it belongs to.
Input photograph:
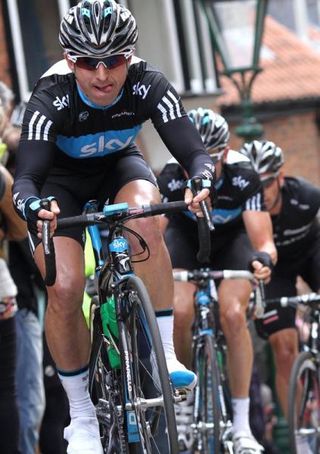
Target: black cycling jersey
(63, 129)
(296, 226)
(297, 238)
(238, 189)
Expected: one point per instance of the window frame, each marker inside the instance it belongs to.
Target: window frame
(17, 44)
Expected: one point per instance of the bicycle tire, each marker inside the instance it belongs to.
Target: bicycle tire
(104, 388)
(207, 410)
(157, 425)
(304, 416)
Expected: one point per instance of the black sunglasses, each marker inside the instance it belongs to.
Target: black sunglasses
(268, 182)
(91, 63)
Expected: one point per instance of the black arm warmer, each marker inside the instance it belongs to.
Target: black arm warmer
(185, 144)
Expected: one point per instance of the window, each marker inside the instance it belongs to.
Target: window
(34, 31)
(175, 38)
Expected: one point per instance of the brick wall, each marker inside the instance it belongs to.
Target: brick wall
(299, 138)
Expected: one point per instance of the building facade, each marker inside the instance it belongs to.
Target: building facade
(175, 38)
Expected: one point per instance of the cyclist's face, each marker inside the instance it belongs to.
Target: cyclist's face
(101, 85)
(271, 190)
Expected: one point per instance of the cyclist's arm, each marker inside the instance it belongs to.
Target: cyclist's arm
(185, 144)
(259, 229)
(31, 173)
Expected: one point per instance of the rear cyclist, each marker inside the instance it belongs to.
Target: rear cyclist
(78, 144)
(243, 236)
(293, 204)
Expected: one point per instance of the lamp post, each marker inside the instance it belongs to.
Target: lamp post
(236, 29)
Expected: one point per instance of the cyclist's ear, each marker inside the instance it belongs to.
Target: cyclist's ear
(281, 178)
(69, 62)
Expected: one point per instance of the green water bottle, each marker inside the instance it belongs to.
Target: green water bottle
(110, 330)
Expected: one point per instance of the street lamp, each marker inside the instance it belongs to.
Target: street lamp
(236, 29)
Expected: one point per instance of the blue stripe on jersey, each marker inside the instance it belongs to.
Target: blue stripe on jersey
(220, 216)
(96, 145)
(87, 101)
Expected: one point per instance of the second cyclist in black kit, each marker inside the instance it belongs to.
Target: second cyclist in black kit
(243, 236)
(78, 143)
(294, 204)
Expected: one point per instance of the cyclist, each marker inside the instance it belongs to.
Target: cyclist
(77, 144)
(243, 235)
(293, 204)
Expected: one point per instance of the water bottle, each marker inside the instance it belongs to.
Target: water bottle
(110, 330)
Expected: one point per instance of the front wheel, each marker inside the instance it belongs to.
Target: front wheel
(207, 420)
(152, 394)
(304, 405)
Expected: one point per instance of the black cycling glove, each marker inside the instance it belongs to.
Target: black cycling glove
(262, 257)
(32, 208)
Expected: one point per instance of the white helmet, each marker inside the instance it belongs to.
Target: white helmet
(98, 28)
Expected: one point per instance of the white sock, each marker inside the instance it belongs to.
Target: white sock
(165, 323)
(241, 415)
(76, 386)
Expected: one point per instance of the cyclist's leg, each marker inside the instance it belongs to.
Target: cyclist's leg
(156, 272)
(284, 345)
(278, 325)
(183, 320)
(233, 301)
(66, 331)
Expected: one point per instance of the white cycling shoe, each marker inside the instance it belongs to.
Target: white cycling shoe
(245, 443)
(181, 377)
(83, 436)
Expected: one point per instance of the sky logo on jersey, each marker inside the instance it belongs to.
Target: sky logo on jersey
(174, 185)
(97, 145)
(141, 90)
(61, 103)
(239, 181)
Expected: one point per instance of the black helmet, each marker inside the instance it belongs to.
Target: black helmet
(98, 28)
(213, 128)
(265, 156)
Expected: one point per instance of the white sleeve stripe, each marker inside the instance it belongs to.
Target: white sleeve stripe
(38, 127)
(33, 119)
(171, 109)
(164, 112)
(176, 102)
(46, 130)
(170, 105)
(254, 203)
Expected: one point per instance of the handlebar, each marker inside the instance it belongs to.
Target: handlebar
(205, 226)
(116, 213)
(306, 299)
(48, 248)
(196, 276)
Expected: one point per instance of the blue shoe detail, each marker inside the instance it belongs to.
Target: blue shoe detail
(183, 379)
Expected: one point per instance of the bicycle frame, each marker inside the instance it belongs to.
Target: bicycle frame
(215, 430)
(207, 324)
(111, 271)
